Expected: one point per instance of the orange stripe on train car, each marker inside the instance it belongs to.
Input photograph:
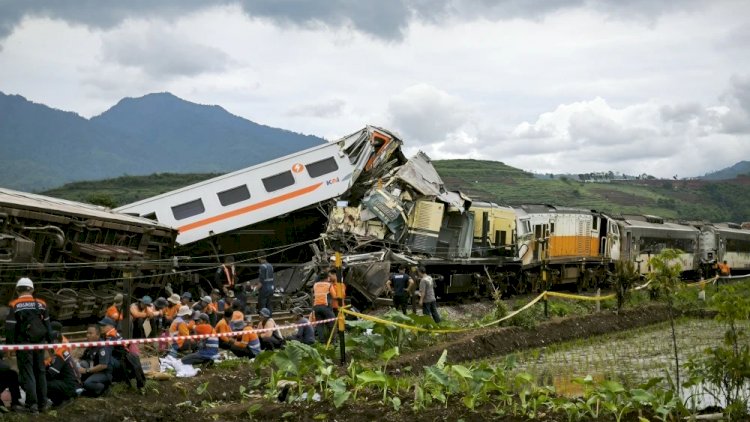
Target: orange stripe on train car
(249, 208)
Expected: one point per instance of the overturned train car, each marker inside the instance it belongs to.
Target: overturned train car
(77, 254)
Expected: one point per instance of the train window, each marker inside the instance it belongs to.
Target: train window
(150, 216)
(551, 227)
(655, 245)
(736, 245)
(595, 224)
(278, 181)
(322, 167)
(188, 209)
(234, 195)
(503, 237)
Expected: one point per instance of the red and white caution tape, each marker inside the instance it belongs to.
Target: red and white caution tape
(125, 342)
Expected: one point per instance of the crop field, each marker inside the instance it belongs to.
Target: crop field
(630, 357)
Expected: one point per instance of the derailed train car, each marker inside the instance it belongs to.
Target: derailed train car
(77, 253)
(725, 242)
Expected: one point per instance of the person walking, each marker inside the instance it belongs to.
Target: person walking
(400, 284)
(28, 323)
(427, 298)
(265, 279)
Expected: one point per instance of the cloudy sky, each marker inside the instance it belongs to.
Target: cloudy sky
(661, 87)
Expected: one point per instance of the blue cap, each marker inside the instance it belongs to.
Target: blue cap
(108, 321)
(265, 313)
(187, 295)
(146, 300)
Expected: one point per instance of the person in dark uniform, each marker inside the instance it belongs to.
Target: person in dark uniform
(265, 280)
(400, 284)
(9, 380)
(28, 323)
(97, 372)
(62, 374)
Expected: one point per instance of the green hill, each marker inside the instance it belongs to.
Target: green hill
(727, 200)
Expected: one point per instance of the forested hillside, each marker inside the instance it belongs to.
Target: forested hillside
(494, 181)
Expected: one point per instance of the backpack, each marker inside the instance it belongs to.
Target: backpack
(36, 330)
(131, 366)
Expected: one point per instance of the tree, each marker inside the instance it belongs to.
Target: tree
(665, 280)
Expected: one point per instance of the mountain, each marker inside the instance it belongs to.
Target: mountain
(743, 167)
(41, 147)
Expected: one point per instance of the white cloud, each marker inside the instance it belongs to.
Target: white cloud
(425, 114)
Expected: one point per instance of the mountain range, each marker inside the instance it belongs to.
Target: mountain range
(41, 147)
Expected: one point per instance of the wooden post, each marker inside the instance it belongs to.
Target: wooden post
(598, 303)
(546, 307)
(127, 326)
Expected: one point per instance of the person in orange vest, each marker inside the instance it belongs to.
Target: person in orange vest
(62, 374)
(322, 306)
(28, 323)
(724, 269)
(115, 311)
(170, 312)
(222, 327)
(226, 275)
(140, 312)
(180, 328)
(208, 348)
(247, 345)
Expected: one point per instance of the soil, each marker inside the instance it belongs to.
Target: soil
(179, 399)
(504, 340)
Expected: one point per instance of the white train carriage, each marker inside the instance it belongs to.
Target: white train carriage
(642, 237)
(270, 189)
(725, 242)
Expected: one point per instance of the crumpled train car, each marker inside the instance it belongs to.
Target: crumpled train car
(66, 246)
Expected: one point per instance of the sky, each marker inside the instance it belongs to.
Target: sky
(563, 86)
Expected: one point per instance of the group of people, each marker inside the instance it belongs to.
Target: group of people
(403, 288)
(52, 376)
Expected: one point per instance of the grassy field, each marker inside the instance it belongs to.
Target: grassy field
(497, 182)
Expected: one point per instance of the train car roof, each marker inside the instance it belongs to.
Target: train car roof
(484, 204)
(647, 226)
(551, 209)
(255, 167)
(731, 232)
(50, 205)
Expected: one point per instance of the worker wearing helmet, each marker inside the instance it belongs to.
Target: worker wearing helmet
(28, 323)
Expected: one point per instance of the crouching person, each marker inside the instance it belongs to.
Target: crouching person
(62, 374)
(180, 327)
(9, 380)
(208, 348)
(270, 336)
(305, 333)
(97, 365)
(248, 344)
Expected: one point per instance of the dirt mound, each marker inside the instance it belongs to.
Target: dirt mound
(504, 340)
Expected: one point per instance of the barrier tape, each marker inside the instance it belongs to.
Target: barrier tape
(125, 342)
(443, 330)
(579, 297)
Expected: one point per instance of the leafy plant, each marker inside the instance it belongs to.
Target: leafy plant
(665, 278)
